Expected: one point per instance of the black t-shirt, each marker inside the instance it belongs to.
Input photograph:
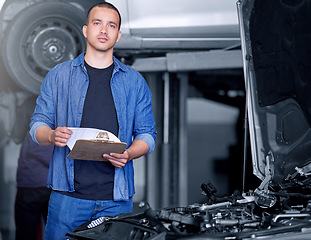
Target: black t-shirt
(94, 180)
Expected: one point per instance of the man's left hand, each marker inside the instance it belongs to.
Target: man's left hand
(117, 159)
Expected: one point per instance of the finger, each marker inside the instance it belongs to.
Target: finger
(61, 140)
(117, 155)
(63, 134)
(63, 131)
(116, 163)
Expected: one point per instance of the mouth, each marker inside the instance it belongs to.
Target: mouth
(102, 39)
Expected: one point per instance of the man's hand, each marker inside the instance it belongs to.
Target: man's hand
(60, 136)
(117, 159)
(137, 149)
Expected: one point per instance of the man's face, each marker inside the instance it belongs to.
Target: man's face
(102, 31)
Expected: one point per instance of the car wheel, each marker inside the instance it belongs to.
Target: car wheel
(39, 37)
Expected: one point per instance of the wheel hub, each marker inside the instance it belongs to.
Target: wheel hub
(53, 49)
(51, 43)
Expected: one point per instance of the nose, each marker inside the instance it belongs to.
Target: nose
(103, 30)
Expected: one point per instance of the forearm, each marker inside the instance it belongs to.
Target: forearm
(43, 135)
(137, 149)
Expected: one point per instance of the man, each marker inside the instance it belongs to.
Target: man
(32, 197)
(94, 90)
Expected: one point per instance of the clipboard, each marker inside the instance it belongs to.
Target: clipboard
(94, 149)
(92, 143)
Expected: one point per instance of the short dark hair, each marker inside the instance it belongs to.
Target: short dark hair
(104, 4)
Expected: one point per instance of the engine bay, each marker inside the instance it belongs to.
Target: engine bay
(276, 213)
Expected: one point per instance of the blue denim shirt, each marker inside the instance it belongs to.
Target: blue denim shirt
(61, 102)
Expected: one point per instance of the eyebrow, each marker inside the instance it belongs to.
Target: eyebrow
(99, 20)
(96, 20)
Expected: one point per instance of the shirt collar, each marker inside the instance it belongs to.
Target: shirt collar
(79, 61)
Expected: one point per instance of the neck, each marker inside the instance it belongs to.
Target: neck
(98, 59)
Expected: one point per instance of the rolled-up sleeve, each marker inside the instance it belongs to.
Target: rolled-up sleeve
(44, 111)
(148, 139)
(144, 124)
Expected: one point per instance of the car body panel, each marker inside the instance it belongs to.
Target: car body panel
(277, 71)
(178, 24)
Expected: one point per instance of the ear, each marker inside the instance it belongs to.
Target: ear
(84, 31)
(119, 36)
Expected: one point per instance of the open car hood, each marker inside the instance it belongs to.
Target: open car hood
(276, 47)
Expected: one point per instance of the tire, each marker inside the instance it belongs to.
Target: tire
(39, 37)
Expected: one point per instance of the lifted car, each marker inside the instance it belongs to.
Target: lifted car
(35, 35)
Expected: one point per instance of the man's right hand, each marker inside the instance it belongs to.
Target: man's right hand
(59, 137)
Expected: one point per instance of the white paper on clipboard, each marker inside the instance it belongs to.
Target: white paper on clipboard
(88, 134)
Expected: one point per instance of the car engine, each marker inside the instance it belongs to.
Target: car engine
(284, 211)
